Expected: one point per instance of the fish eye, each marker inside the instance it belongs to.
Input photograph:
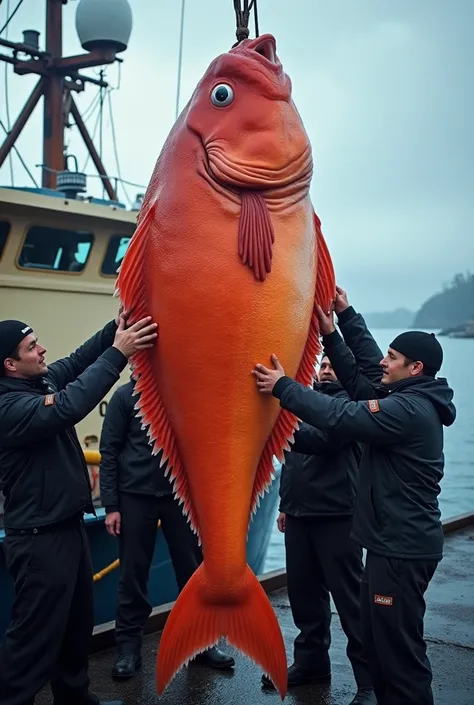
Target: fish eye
(222, 95)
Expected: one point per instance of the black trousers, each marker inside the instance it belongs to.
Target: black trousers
(321, 559)
(140, 514)
(393, 609)
(52, 617)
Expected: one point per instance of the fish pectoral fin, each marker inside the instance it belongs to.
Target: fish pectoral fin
(287, 423)
(256, 234)
(203, 613)
(150, 407)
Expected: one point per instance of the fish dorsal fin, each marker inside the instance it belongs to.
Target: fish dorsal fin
(150, 409)
(326, 278)
(287, 423)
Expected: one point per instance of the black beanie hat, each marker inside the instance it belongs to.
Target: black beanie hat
(11, 335)
(422, 347)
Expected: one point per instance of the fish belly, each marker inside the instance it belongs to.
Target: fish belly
(216, 321)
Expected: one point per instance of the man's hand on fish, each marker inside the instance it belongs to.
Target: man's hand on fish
(266, 378)
(341, 302)
(326, 321)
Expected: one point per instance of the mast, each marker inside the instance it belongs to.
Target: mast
(60, 77)
(53, 117)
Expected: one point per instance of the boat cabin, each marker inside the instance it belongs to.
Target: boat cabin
(58, 265)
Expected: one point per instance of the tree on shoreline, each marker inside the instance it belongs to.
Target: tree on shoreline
(451, 307)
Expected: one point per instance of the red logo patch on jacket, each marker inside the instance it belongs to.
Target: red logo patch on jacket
(383, 600)
(374, 405)
(49, 400)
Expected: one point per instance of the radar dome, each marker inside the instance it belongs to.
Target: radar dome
(104, 24)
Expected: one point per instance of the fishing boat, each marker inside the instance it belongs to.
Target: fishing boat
(59, 253)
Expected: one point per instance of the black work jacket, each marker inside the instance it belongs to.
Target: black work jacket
(43, 472)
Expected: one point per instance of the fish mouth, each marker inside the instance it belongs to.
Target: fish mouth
(265, 46)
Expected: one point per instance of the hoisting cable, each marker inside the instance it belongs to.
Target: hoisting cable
(9, 19)
(255, 16)
(242, 16)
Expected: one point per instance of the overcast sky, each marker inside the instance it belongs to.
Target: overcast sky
(386, 92)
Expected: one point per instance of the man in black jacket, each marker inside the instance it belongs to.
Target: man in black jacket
(317, 490)
(136, 494)
(397, 517)
(47, 491)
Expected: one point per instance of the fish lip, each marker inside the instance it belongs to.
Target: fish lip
(265, 49)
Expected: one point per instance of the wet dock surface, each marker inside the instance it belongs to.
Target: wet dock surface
(449, 629)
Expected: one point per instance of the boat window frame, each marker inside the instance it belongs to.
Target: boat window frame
(109, 239)
(9, 232)
(35, 224)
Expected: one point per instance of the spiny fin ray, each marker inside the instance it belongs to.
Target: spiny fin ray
(149, 406)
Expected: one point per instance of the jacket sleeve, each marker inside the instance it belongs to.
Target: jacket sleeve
(27, 418)
(69, 368)
(379, 421)
(313, 441)
(362, 343)
(112, 441)
(283, 470)
(349, 373)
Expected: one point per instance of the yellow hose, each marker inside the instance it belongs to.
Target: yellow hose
(112, 566)
(105, 571)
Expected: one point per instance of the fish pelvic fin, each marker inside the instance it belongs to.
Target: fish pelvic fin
(203, 614)
(150, 408)
(287, 423)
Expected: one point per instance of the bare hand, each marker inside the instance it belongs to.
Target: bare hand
(112, 523)
(341, 300)
(326, 321)
(266, 378)
(140, 336)
(281, 522)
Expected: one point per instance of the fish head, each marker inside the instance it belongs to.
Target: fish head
(250, 131)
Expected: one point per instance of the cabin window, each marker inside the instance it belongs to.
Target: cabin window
(4, 230)
(55, 249)
(115, 253)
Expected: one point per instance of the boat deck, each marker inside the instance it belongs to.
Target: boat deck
(449, 629)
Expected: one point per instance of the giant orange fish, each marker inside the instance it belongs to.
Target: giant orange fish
(229, 259)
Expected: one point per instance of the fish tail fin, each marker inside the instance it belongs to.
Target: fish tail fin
(203, 613)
